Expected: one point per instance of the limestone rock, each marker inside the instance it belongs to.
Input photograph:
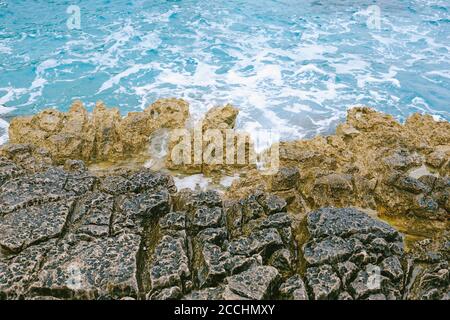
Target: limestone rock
(104, 136)
(257, 283)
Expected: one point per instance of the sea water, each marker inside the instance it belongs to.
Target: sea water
(290, 66)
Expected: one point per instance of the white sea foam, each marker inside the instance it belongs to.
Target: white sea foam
(3, 131)
(196, 182)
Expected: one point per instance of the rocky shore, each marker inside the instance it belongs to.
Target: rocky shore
(326, 226)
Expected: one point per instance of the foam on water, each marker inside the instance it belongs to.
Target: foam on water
(290, 66)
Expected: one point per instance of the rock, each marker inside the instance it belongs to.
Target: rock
(273, 204)
(294, 289)
(212, 269)
(172, 293)
(24, 227)
(257, 283)
(367, 255)
(264, 242)
(347, 221)
(205, 294)
(437, 158)
(277, 220)
(286, 178)
(207, 218)
(220, 118)
(91, 269)
(17, 273)
(104, 136)
(411, 185)
(38, 188)
(324, 282)
(213, 235)
(238, 264)
(392, 268)
(355, 167)
(330, 250)
(170, 263)
(173, 221)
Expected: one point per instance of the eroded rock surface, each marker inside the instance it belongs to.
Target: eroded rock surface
(101, 136)
(66, 233)
(372, 162)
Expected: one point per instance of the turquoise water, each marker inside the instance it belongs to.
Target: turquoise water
(291, 66)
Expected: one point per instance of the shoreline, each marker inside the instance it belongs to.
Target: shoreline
(375, 194)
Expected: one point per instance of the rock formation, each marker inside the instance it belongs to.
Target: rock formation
(102, 136)
(309, 231)
(371, 162)
(67, 234)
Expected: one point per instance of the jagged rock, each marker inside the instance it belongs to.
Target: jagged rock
(170, 263)
(18, 272)
(367, 254)
(392, 268)
(190, 201)
(354, 167)
(205, 294)
(220, 118)
(294, 289)
(91, 269)
(277, 220)
(273, 204)
(282, 260)
(257, 283)
(263, 241)
(41, 187)
(286, 178)
(92, 214)
(411, 185)
(25, 227)
(213, 235)
(207, 218)
(8, 170)
(330, 250)
(238, 264)
(104, 136)
(212, 269)
(172, 293)
(323, 281)
(348, 221)
(174, 221)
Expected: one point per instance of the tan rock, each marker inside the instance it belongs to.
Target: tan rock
(103, 136)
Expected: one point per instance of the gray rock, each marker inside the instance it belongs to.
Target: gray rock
(273, 204)
(172, 293)
(25, 227)
(207, 217)
(347, 221)
(330, 250)
(262, 241)
(170, 263)
(212, 269)
(412, 185)
(174, 221)
(206, 294)
(89, 269)
(392, 268)
(213, 235)
(257, 283)
(294, 289)
(324, 282)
